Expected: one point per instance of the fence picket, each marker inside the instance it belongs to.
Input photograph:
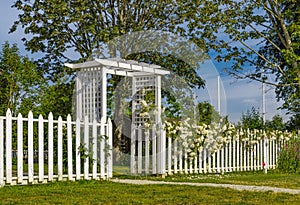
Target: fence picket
(154, 155)
(94, 143)
(77, 147)
(140, 150)
(20, 148)
(1, 152)
(102, 147)
(163, 135)
(180, 158)
(196, 165)
(200, 162)
(41, 148)
(234, 160)
(169, 155)
(218, 160)
(50, 147)
(214, 155)
(147, 151)
(59, 149)
(30, 148)
(190, 161)
(8, 147)
(204, 161)
(223, 162)
(209, 157)
(86, 146)
(230, 156)
(110, 147)
(175, 156)
(69, 149)
(185, 162)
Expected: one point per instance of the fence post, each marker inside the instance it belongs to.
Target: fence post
(20, 148)
(30, 147)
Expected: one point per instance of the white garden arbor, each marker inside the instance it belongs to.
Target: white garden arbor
(91, 98)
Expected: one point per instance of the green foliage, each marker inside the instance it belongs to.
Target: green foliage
(293, 123)
(261, 41)
(251, 119)
(289, 157)
(19, 81)
(275, 124)
(57, 98)
(84, 26)
(207, 113)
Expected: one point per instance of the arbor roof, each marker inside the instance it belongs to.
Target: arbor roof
(118, 66)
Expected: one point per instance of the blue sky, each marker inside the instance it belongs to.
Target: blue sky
(236, 96)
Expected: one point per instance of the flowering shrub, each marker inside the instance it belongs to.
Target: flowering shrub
(194, 138)
(289, 158)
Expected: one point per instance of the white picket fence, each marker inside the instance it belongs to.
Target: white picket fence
(154, 153)
(42, 150)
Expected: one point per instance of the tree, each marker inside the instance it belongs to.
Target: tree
(19, 81)
(207, 113)
(261, 41)
(251, 119)
(276, 123)
(85, 25)
(293, 124)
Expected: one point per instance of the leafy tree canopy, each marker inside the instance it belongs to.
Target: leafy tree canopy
(251, 119)
(276, 123)
(261, 40)
(19, 81)
(83, 26)
(207, 113)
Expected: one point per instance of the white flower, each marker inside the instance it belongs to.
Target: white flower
(144, 103)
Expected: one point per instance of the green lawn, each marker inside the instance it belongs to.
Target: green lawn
(246, 178)
(272, 178)
(105, 192)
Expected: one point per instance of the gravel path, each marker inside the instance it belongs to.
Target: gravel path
(231, 186)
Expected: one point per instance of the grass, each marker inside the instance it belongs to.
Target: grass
(105, 192)
(257, 178)
(274, 179)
